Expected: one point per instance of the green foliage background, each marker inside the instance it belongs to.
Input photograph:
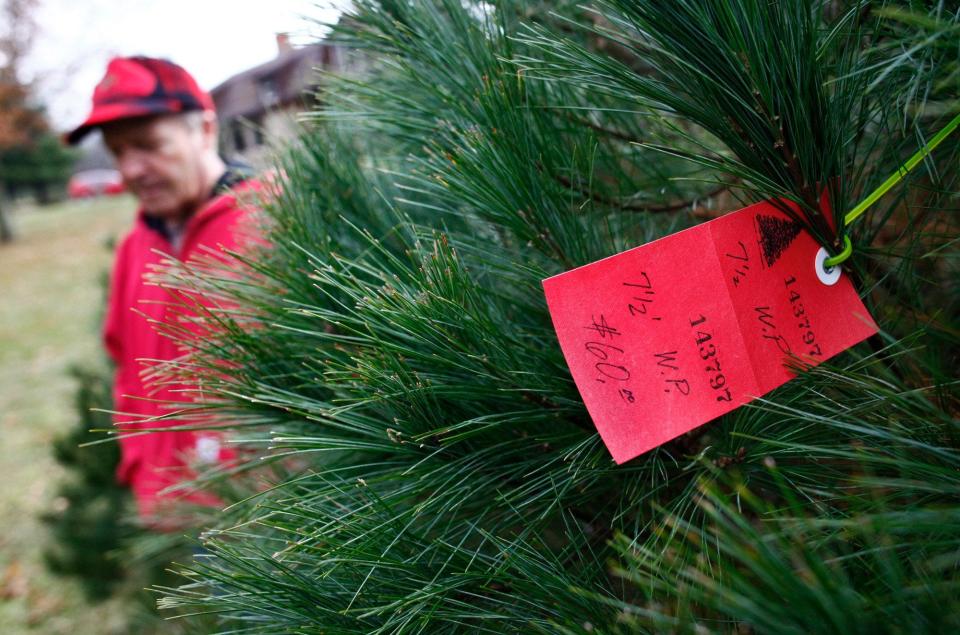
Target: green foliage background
(419, 458)
(42, 165)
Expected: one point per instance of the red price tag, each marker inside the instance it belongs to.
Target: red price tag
(662, 338)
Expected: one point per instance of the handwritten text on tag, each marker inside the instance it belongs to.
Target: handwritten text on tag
(667, 336)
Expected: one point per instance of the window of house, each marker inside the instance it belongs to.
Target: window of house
(258, 138)
(239, 139)
(267, 89)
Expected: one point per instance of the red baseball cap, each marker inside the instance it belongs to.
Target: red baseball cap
(141, 86)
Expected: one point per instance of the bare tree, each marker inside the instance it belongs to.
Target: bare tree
(20, 122)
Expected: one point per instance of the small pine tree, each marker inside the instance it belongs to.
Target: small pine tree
(87, 525)
(391, 356)
(94, 533)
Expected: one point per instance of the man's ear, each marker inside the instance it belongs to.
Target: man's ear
(209, 128)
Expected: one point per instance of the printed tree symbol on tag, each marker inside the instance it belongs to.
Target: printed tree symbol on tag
(776, 234)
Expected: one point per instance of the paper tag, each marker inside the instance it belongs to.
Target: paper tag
(664, 337)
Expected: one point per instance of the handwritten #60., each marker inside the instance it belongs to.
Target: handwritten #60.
(662, 338)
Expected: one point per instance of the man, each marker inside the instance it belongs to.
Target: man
(162, 131)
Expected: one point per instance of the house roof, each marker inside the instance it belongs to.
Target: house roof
(278, 82)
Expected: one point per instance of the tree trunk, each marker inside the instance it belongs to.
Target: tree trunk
(6, 232)
(42, 194)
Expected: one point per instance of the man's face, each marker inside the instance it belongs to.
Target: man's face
(161, 162)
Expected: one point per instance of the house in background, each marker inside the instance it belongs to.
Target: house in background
(259, 106)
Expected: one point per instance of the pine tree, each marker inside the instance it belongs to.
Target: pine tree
(420, 459)
(95, 536)
(87, 523)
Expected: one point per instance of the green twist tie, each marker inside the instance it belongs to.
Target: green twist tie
(894, 178)
(833, 261)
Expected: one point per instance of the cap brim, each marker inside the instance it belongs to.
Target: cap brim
(108, 113)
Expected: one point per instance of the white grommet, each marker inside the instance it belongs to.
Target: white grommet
(828, 275)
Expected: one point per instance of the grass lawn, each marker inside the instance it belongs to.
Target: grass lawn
(50, 297)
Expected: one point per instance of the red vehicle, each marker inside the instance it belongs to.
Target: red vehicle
(90, 183)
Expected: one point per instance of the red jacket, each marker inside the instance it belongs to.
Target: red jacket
(151, 462)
